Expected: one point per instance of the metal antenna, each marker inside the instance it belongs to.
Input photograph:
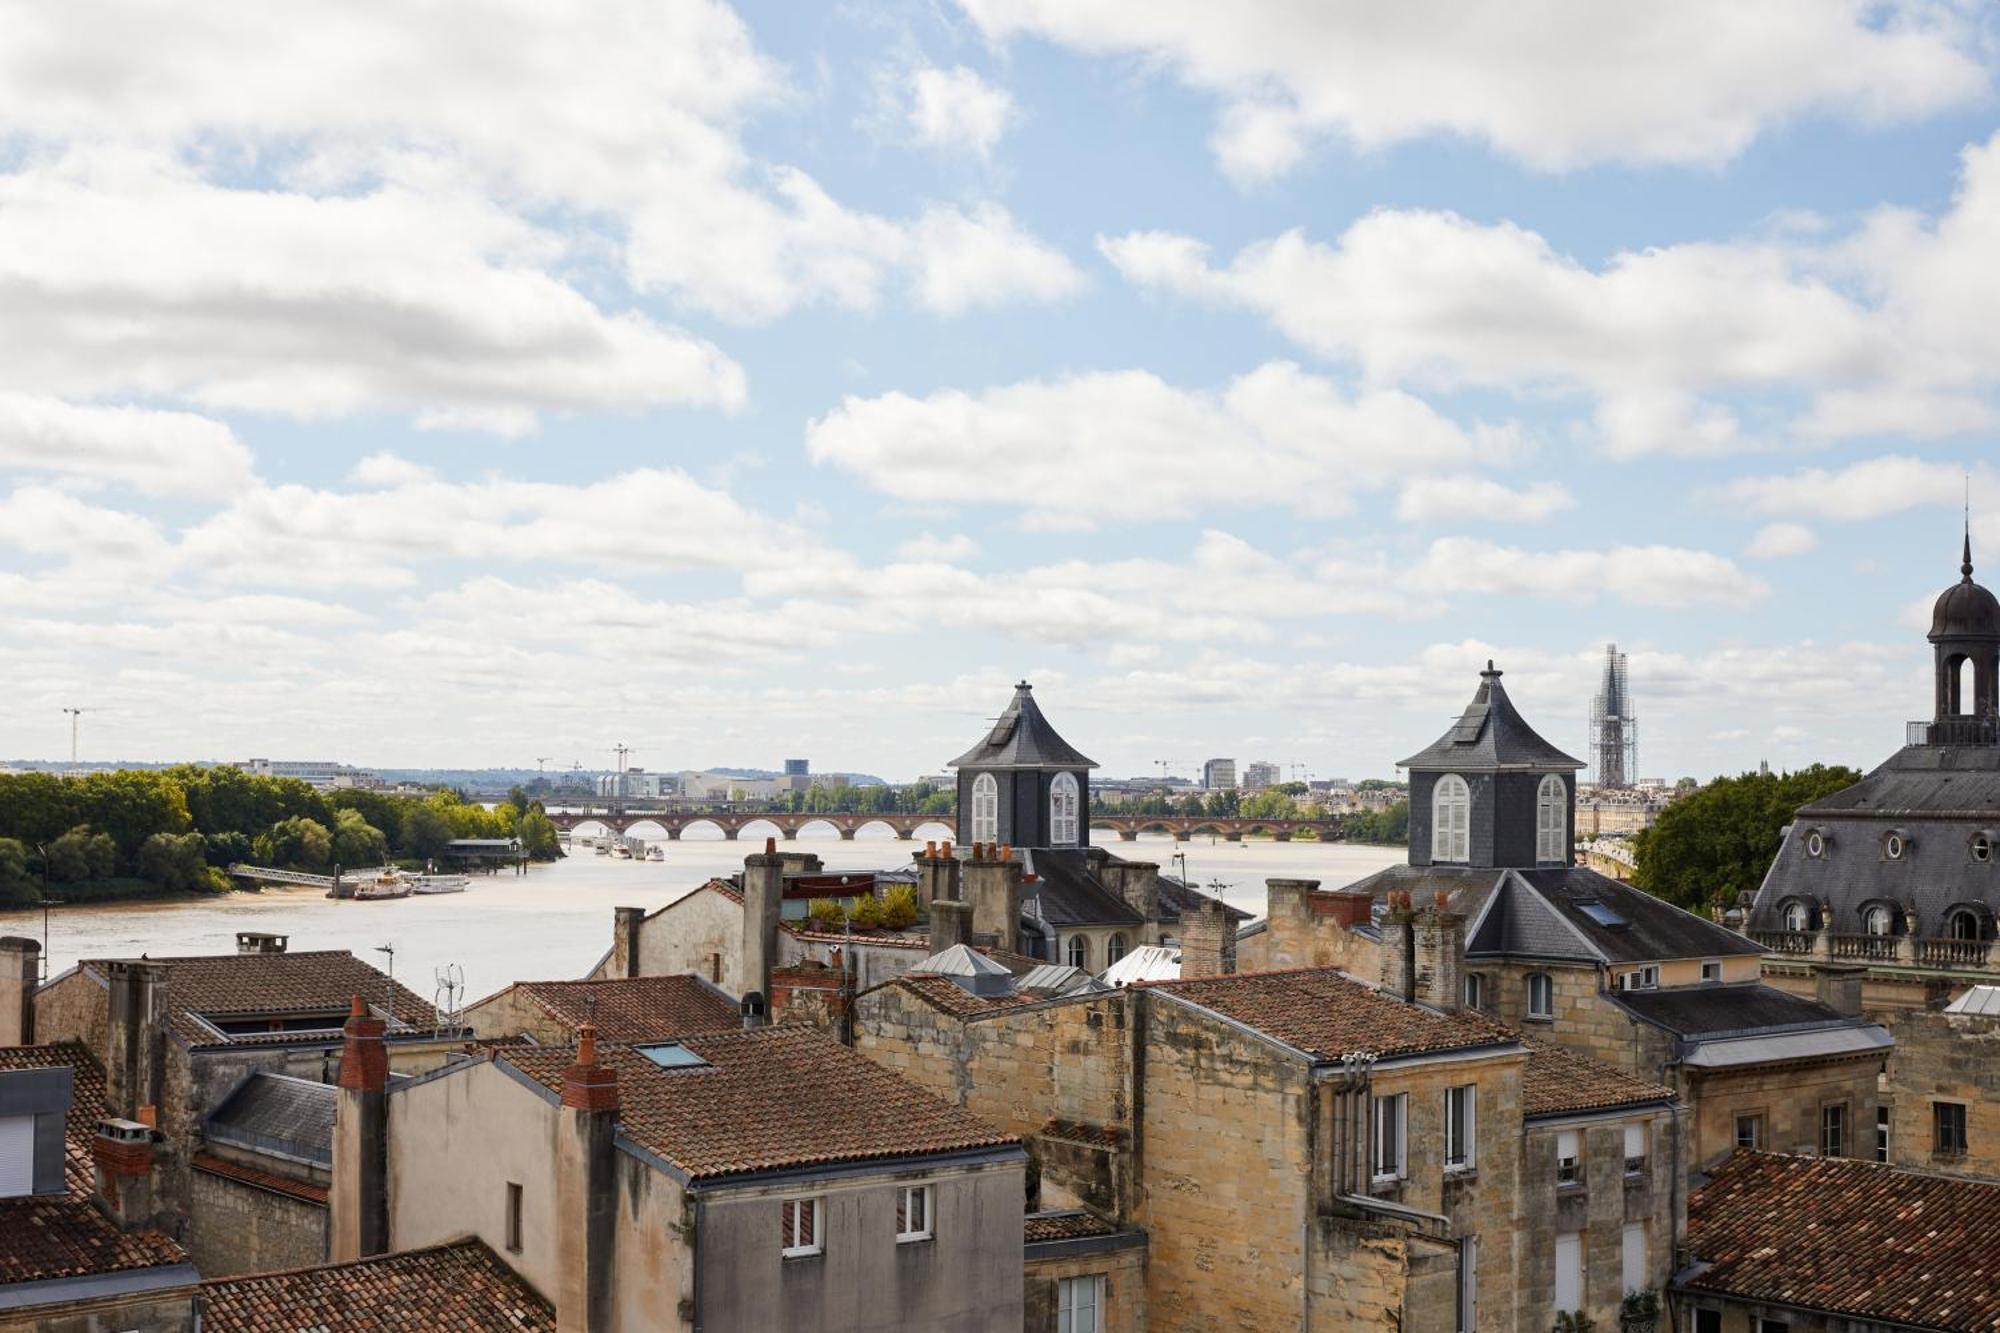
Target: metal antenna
(74, 714)
(389, 988)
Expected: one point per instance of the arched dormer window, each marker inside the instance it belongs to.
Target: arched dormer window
(1878, 919)
(985, 809)
(1552, 821)
(1798, 917)
(1114, 948)
(1062, 810)
(1965, 923)
(1079, 952)
(1451, 819)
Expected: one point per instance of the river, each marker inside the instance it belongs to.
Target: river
(555, 921)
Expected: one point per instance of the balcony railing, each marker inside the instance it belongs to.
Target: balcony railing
(1866, 948)
(1954, 953)
(1784, 941)
(1923, 951)
(1968, 730)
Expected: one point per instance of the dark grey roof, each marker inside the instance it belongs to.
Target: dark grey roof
(1022, 738)
(1709, 1011)
(1965, 610)
(1922, 780)
(1520, 923)
(1490, 736)
(275, 1113)
(1178, 896)
(1069, 895)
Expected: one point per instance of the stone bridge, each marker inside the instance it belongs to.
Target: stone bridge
(906, 827)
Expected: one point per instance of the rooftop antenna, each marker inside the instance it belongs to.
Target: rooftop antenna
(389, 986)
(444, 1000)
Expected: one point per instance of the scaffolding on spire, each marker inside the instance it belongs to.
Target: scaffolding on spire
(1614, 732)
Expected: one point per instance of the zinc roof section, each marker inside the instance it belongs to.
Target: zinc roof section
(280, 1114)
(1491, 736)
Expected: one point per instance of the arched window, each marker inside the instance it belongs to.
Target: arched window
(1964, 924)
(1062, 811)
(1114, 949)
(1079, 952)
(1451, 817)
(1877, 919)
(985, 809)
(1798, 917)
(1552, 820)
(1541, 995)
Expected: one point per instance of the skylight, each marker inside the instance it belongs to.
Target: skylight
(1601, 914)
(672, 1055)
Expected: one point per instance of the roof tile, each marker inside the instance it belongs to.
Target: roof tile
(457, 1288)
(1328, 1014)
(635, 1009)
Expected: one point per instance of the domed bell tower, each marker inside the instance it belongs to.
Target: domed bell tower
(1965, 635)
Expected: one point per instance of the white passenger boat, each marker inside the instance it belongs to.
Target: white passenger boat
(443, 883)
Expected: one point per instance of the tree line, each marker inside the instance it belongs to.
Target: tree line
(134, 832)
(1713, 844)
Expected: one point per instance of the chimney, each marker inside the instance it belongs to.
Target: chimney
(625, 924)
(1838, 986)
(586, 1191)
(20, 970)
(1344, 908)
(1440, 955)
(951, 923)
(358, 1201)
(257, 941)
(937, 875)
(763, 898)
(133, 1035)
(993, 887)
(122, 1152)
(1139, 886)
(1399, 960)
(1208, 941)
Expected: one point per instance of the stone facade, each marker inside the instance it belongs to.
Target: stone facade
(1122, 1307)
(235, 1227)
(165, 1312)
(1952, 1058)
(1598, 1207)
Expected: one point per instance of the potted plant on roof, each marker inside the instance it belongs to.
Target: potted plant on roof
(1640, 1312)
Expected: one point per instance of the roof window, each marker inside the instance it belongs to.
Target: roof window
(1894, 843)
(1602, 913)
(672, 1055)
(1816, 844)
(1981, 847)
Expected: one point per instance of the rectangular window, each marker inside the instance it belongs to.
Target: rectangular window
(1749, 1131)
(1569, 1272)
(1475, 990)
(1773, 1326)
(1079, 1302)
(1707, 1321)
(1541, 995)
(1391, 1121)
(1460, 1125)
(1569, 1162)
(1711, 971)
(1635, 1149)
(1948, 1125)
(1468, 1284)
(17, 1155)
(1833, 1130)
(1632, 1257)
(1640, 978)
(513, 1217)
(1881, 1133)
(913, 1213)
(801, 1228)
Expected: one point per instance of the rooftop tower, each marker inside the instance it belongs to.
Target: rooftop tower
(1614, 732)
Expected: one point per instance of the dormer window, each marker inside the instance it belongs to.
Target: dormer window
(1877, 919)
(1816, 844)
(1451, 820)
(1062, 810)
(1552, 821)
(1798, 917)
(985, 809)
(1894, 844)
(1981, 848)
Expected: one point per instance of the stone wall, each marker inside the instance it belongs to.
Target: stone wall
(1598, 1207)
(1789, 1097)
(1951, 1058)
(238, 1228)
(1123, 1302)
(76, 1006)
(166, 1312)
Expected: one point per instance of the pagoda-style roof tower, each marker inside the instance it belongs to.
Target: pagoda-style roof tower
(1023, 785)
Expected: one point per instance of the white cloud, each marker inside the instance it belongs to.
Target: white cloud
(925, 548)
(1663, 576)
(1114, 445)
(1867, 489)
(957, 109)
(1557, 84)
(50, 524)
(1424, 499)
(1775, 541)
(385, 469)
(981, 258)
(153, 452)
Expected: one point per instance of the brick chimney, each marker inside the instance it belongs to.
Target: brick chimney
(951, 923)
(122, 1153)
(763, 898)
(1137, 883)
(625, 925)
(358, 1201)
(1208, 941)
(993, 888)
(20, 971)
(134, 1035)
(586, 1191)
(257, 941)
(937, 874)
(1440, 955)
(1399, 947)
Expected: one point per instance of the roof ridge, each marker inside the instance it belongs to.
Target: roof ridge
(471, 1243)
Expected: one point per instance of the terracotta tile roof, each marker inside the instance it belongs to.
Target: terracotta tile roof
(768, 1098)
(1064, 1226)
(635, 1009)
(64, 1235)
(274, 983)
(872, 938)
(947, 995)
(1559, 1080)
(458, 1288)
(263, 1180)
(1854, 1238)
(1328, 1014)
(1104, 1136)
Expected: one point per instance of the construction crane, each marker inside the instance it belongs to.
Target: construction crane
(74, 714)
(541, 760)
(1168, 765)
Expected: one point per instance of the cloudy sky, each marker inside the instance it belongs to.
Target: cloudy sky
(471, 383)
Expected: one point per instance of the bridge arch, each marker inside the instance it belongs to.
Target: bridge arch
(727, 828)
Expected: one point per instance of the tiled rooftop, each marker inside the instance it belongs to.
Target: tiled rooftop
(636, 1009)
(954, 999)
(1073, 1225)
(1870, 1242)
(771, 1098)
(260, 1179)
(273, 983)
(1559, 1080)
(64, 1235)
(1328, 1014)
(459, 1288)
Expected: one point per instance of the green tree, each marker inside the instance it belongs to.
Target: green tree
(175, 861)
(131, 805)
(899, 906)
(356, 842)
(379, 808)
(299, 842)
(1715, 843)
(36, 808)
(538, 836)
(17, 886)
(425, 832)
(80, 855)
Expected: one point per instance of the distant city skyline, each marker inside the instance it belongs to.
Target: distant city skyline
(768, 381)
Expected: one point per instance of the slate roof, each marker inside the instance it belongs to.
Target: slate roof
(1022, 738)
(1328, 1014)
(1709, 1011)
(276, 1113)
(457, 1288)
(1177, 896)
(65, 1235)
(768, 1099)
(1558, 1081)
(1068, 894)
(635, 1009)
(1848, 1237)
(259, 983)
(1491, 736)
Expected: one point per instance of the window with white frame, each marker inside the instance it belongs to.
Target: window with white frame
(1114, 947)
(801, 1228)
(1569, 1160)
(1079, 1304)
(1640, 978)
(1451, 819)
(1062, 810)
(1750, 1131)
(1460, 1127)
(1635, 1149)
(1798, 917)
(1541, 995)
(913, 1213)
(1552, 820)
(1569, 1272)
(985, 809)
(1079, 952)
(1881, 1133)
(1388, 1159)
(1475, 990)
(1833, 1130)
(1632, 1257)
(1877, 920)
(1711, 971)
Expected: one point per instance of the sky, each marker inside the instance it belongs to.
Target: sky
(457, 384)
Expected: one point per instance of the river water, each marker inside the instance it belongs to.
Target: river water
(555, 921)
